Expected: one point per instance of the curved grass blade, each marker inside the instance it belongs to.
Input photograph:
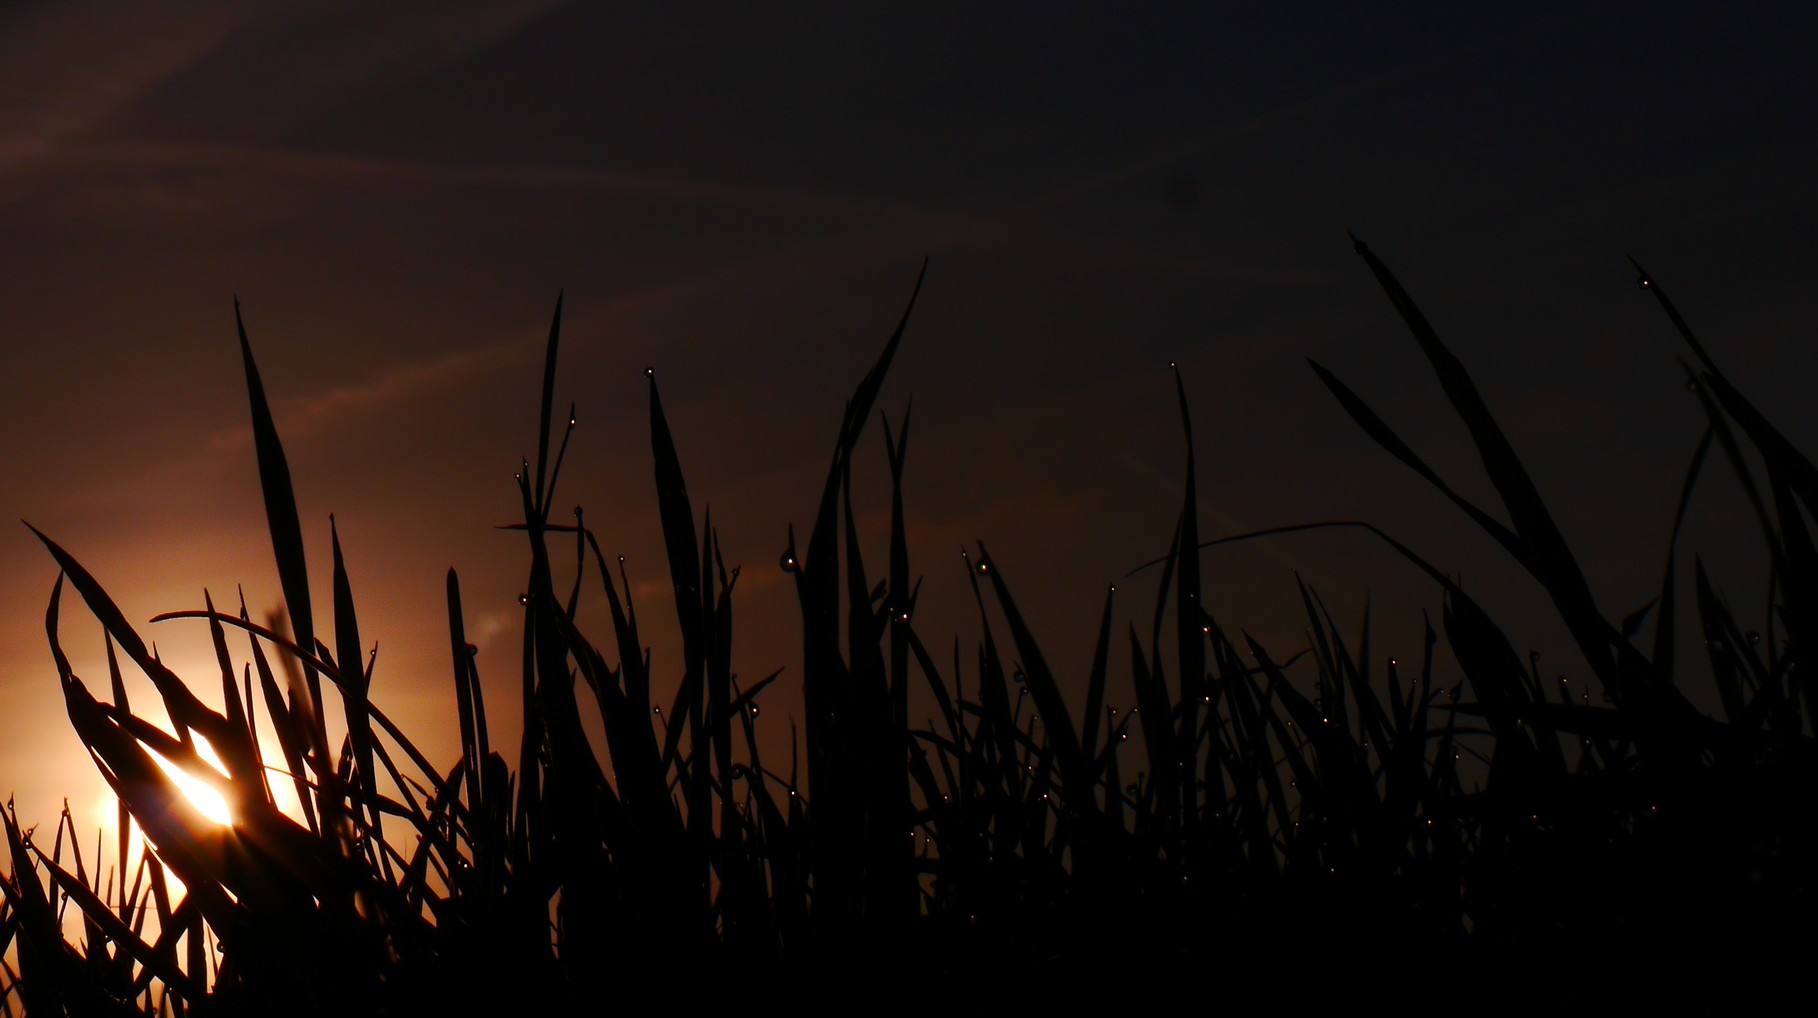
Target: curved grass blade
(1546, 555)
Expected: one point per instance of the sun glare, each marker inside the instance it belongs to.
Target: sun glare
(207, 799)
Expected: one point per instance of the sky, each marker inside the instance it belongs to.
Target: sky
(739, 197)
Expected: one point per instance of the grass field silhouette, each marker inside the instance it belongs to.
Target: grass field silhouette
(1314, 826)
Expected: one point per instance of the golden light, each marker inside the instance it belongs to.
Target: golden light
(206, 799)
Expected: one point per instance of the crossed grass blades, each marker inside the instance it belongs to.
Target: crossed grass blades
(1233, 835)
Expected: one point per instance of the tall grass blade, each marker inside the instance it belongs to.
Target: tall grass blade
(1545, 554)
(281, 519)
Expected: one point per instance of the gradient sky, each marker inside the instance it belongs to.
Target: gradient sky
(740, 195)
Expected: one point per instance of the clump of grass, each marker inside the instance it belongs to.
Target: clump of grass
(1237, 821)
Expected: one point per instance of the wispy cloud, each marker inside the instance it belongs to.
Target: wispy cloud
(300, 416)
(69, 68)
(64, 68)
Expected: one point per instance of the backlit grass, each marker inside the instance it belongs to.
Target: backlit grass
(1278, 826)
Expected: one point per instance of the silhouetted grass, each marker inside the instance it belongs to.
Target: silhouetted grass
(1374, 834)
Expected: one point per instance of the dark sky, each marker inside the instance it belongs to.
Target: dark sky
(740, 195)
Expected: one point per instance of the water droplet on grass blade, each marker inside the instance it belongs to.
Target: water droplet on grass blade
(787, 562)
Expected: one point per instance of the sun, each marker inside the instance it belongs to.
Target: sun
(206, 798)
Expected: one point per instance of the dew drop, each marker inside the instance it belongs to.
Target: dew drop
(473, 650)
(1754, 638)
(649, 372)
(523, 598)
(787, 562)
(754, 710)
